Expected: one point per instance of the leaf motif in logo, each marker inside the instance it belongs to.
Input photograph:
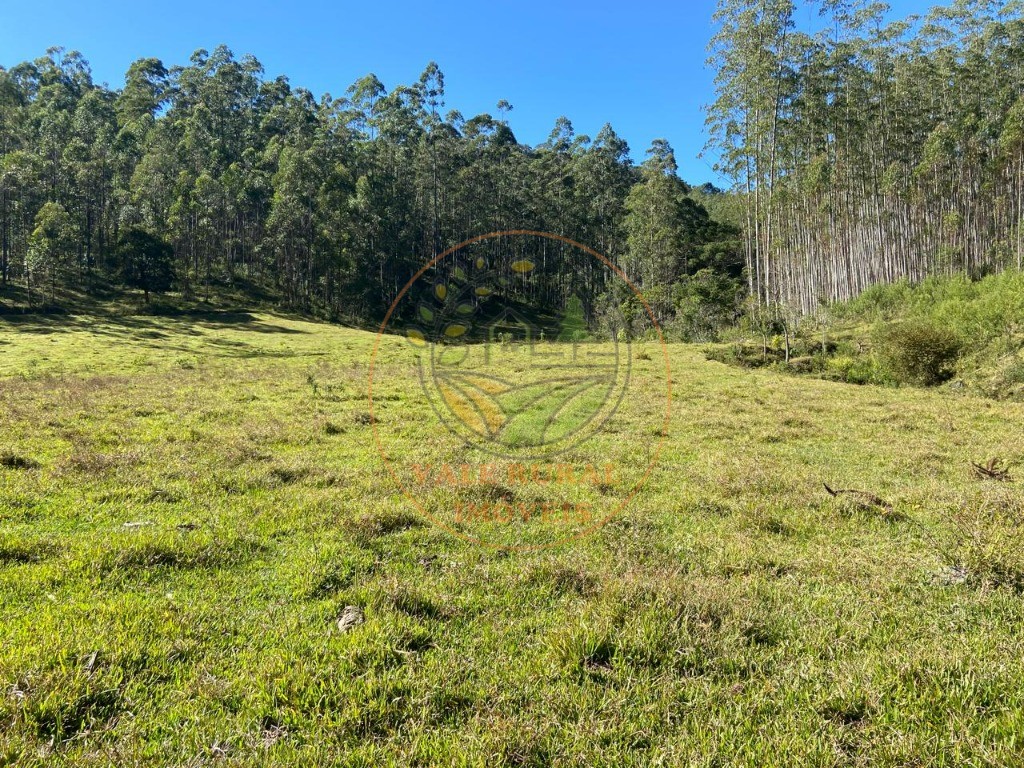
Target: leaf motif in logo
(534, 414)
(472, 404)
(416, 337)
(553, 409)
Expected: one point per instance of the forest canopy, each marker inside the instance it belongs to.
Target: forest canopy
(211, 176)
(869, 150)
(861, 149)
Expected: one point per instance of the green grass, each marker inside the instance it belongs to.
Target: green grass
(187, 504)
(974, 326)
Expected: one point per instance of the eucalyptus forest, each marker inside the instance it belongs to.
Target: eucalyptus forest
(867, 150)
(872, 149)
(208, 176)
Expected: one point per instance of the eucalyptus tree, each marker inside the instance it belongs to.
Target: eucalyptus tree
(652, 221)
(50, 245)
(889, 150)
(751, 53)
(227, 177)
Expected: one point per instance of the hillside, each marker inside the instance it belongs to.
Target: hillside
(187, 505)
(956, 333)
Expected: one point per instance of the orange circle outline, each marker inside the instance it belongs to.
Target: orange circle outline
(668, 392)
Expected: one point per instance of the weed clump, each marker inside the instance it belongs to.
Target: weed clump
(982, 543)
(369, 526)
(71, 702)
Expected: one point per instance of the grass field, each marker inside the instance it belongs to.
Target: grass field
(188, 504)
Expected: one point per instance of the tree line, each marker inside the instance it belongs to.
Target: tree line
(867, 150)
(211, 176)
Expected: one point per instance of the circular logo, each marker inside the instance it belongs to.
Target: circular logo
(530, 435)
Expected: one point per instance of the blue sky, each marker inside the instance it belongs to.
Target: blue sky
(639, 66)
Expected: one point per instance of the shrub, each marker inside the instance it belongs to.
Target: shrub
(740, 354)
(705, 303)
(918, 352)
(851, 369)
(1013, 372)
(878, 301)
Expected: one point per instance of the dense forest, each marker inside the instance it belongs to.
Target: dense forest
(211, 176)
(862, 150)
(870, 150)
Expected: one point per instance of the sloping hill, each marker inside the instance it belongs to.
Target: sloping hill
(966, 335)
(188, 505)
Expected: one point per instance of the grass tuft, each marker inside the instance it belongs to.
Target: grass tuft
(367, 527)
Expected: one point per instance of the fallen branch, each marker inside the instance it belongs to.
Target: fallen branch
(993, 469)
(865, 497)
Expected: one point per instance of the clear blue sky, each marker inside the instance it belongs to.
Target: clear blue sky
(639, 66)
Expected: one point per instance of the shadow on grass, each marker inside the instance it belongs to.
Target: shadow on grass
(155, 331)
(155, 325)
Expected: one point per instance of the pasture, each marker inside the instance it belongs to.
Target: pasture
(189, 504)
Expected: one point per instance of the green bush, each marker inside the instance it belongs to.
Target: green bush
(917, 352)
(878, 301)
(705, 303)
(741, 354)
(1013, 373)
(851, 369)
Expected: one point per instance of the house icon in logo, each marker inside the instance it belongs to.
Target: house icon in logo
(510, 326)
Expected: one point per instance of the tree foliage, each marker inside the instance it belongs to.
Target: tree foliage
(867, 150)
(146, 261)
(212, 175)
